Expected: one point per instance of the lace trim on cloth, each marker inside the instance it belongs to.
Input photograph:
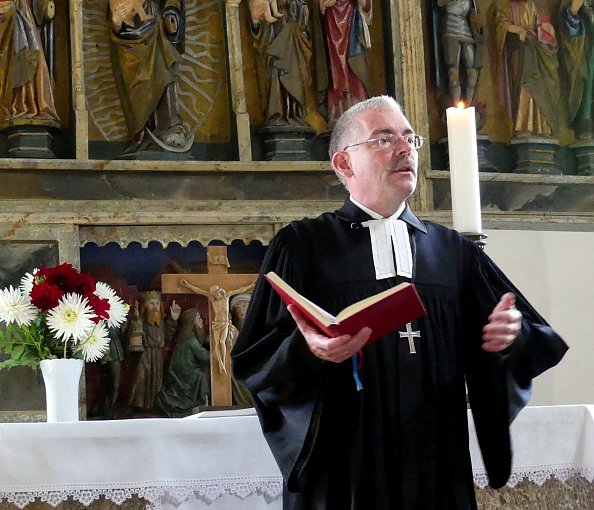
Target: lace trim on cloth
(539, 475)
(270, 488)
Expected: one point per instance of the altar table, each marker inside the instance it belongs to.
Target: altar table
(223, 462)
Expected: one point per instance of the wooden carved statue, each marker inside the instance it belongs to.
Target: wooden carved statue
(526, 49)
(147, 40)
(238, 305)
(347, 40)
(186, 383)
(156, 78)
(460, 39)
(222, 329)
(157, 329)
(286, 40)
(576, 35)
(27, 49)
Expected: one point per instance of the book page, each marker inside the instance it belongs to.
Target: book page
(321, 314)
(364, 303)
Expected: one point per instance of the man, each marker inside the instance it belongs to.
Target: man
(148, 378)
(402, 441)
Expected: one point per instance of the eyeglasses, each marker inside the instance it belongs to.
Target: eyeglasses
(388, 141)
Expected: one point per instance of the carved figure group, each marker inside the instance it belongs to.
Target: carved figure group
(292, 39)
(222, 328)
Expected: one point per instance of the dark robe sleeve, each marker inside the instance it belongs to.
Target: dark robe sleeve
(271, 358)
(494, 379)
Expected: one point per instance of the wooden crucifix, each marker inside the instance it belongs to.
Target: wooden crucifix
(218, 286)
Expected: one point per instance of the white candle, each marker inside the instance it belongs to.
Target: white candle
(464, 179)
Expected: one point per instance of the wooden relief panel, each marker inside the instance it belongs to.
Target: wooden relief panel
(155, 77)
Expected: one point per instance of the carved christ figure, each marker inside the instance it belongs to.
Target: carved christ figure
(223, 330)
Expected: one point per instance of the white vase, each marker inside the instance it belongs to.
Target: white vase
(61, 378)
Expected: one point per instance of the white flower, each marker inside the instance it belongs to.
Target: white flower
(71, 318)
(96, 344)
(16, 307)
(117, 308)
(27, 280)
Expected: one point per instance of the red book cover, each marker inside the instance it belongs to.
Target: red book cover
(383, 312)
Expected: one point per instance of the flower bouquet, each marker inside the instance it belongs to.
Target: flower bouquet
(57, 312)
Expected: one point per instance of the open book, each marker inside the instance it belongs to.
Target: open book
(383, 313)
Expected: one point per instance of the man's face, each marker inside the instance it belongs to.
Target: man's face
(380, 177)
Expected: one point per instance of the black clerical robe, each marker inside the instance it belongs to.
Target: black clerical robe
(401, 442)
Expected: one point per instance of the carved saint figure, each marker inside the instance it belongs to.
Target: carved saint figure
(155, 332)
(526, 48)
(347, 37)
(286, 42)
(223, 331)
(576, 26)
(27, 59)
(238, 305)
(147, 39)
(186, 383)
(460, 33)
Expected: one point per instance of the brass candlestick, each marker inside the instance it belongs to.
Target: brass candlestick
(476, 238)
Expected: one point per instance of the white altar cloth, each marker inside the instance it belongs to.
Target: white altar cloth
(548, 442)
(223, 463)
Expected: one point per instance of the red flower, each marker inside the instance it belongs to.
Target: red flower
(85, 285)
(99, 306)
(46, 296)
(64, 276)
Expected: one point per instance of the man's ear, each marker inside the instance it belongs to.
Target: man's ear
(341, 162)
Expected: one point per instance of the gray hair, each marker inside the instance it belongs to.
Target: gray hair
(347, 127)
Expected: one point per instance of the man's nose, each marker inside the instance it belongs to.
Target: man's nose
(402, 146)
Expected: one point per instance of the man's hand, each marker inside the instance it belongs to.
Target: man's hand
(336, 349)
(504, 325)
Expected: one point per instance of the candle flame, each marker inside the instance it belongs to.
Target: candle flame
(461, 104)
